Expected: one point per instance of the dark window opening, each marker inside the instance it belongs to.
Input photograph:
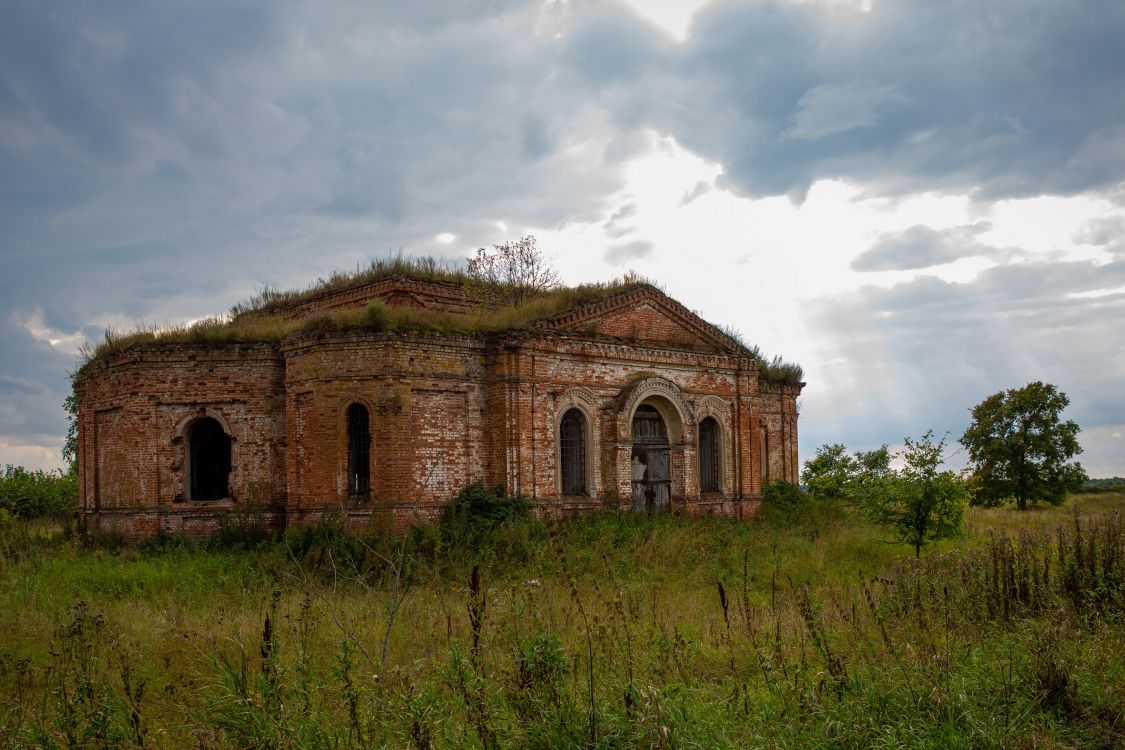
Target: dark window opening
(359, 452)
(709, 455)
(651, 460)
(765, 451)
(572, 449)
(209, 460)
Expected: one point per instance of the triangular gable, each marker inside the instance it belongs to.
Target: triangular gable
(647, 315)
(400, 298)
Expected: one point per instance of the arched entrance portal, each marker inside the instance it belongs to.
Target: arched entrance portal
(652, 478)
(208, 460)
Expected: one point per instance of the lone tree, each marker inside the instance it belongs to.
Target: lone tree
(513, 272)
(919, 503)
(1020, 448)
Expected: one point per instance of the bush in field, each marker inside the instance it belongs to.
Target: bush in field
(488, 522)
(478, 507)
(243, 528)
(785, 504)
(37, 494)
(832, 475)
(919, 504)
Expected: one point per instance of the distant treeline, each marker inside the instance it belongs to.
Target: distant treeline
(1112, 484)
(37, 494)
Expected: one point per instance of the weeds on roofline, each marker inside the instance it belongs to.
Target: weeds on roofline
(426, 268)
(255, 321)
(259, 328)
(775, 370)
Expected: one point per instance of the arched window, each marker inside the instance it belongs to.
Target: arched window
(709, 455)
(572, 452)
(359, 453)
(208, 448)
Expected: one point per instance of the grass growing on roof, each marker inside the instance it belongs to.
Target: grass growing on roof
(424, 268)
(257, 320)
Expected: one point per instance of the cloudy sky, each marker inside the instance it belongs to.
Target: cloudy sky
(921, 201)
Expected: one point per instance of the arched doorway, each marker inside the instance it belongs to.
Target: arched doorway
(208, 460)
(650, 463)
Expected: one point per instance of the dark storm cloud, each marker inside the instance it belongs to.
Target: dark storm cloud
(921, 354)
(1006, 98)
(921, 247)
(33, 384)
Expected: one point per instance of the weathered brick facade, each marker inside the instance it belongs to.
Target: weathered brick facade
(442, 410)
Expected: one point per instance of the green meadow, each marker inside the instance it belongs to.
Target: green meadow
(804, 628)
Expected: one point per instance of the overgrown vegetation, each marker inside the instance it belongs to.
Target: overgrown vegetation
(260, 326)
(608, 631)
(378, 269)
(1107, 484)
(505, 306)
(512, 273)
(918, 503)
(37, 494)
(777, 370)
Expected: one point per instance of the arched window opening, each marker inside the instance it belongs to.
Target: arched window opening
(359, 453)
(208, 460)
(572, 452)
(652, 478)
(709, 455)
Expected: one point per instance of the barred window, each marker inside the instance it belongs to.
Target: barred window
(359, 452)
(709, 455)
(572, 452)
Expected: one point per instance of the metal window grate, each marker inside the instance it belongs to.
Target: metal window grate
(709, 455)
(359, 453)
(572, 447)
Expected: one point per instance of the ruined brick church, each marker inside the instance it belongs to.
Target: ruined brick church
(350, 399)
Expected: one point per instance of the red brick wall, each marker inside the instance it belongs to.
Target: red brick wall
(425, 396)
(443, 409)
(548, 369)
(132, 410)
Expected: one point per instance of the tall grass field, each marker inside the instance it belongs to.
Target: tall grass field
(805, 628)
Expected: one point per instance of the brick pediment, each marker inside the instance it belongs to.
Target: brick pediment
(646, 315)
